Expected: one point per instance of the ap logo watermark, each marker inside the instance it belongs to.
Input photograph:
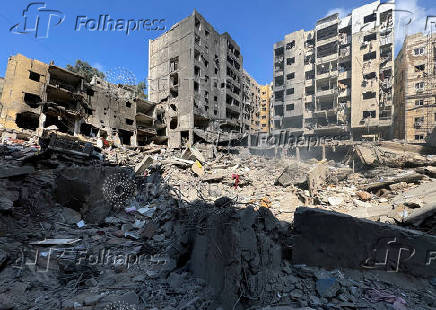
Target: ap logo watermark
(38, 19)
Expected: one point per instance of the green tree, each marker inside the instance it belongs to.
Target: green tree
(86, 70)
(140, 90)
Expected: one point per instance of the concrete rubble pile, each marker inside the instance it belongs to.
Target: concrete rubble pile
(210, 227)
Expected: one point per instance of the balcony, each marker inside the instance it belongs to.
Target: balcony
(344, 92)
(386, 40)
(327, 58)
(309, 67)
(344, 39)
(278, 67)
(386, 62)
(309, 98)
(328, 74)
(308, 82)
(344, 52)
(326, 92)
(307, 114)
(344, 75)
(326, 41)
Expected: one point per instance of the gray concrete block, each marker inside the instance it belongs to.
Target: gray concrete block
(334, 240)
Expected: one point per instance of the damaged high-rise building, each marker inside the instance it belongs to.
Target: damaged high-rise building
(37, 95)
(415, 89)
(251, 103)
(337, 78)
(197, 74)
(264, 109)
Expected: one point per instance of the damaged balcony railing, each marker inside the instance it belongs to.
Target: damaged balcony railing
(60, 84)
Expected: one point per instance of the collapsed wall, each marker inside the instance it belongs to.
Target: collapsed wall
(237, 251)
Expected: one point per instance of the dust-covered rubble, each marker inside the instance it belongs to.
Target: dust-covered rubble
(205, 227)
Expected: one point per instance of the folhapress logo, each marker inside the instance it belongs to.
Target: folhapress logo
(38, 19)
(107, 23)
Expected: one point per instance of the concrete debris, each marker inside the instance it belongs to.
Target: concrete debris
(364, 195)
(429, 170)
(213, 228)
(3, 258)
(198, 168)
(55, 242)
(292, 175)
(193, 154)
(304, 176)
(6, 204)
(333, 240)
(70, 216)
(408, 178)
(143, 165)
(7, 172)
(327, 287)
(395, 155)
(335, 201)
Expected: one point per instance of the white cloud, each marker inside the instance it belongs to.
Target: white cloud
(410, 18)
(98, 66)
(342, 12)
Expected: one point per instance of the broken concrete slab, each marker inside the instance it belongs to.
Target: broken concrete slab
(146, 162)
(6, 204)
(429, 170)
(367, 211)
(333, 240)
(304, 176)
(316, 177)
(70, 216)
(60, 241)
(424, 195)
(292, 174)
(193, 154)
(394, 154)
(327, 287)
(7, 172)
(365, 154)
(408, 178)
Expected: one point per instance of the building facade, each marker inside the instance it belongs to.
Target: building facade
(415, 89)
(37, 95)
(2, 82)
(197, 73)
(251, 103)
(337, 78)
(264, 109)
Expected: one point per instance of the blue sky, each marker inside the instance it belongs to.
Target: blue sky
(254, 24)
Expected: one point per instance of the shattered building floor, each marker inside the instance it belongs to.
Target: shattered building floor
(214, 228)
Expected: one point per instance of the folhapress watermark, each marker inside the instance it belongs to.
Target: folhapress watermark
(108, 24)
(390, 254)
(38, 19)
(41, 260)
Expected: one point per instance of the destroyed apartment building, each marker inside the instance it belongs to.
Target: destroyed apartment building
(197, 75)
(337, 78)
(251, 103)
(415, 91)
(38, 96)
